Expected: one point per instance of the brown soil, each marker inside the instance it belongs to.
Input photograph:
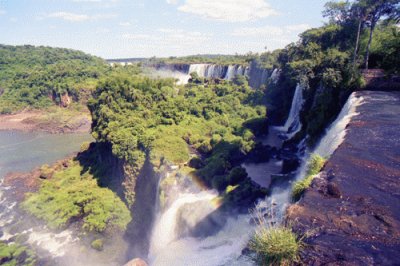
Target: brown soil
(38, 121)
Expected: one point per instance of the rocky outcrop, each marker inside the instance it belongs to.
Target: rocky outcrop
(351, 214)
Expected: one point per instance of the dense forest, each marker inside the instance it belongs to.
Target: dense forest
(207, 127)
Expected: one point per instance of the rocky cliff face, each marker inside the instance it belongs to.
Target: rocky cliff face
(352, 209)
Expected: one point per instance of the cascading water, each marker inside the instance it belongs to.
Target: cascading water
(333, 137)
(275, 75)
(200, 69)
(293, 124)
(166, 228)
(230, 73)
(336, 132)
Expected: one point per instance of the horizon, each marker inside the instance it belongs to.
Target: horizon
(119, 29)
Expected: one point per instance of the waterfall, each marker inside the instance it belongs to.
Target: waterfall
(200, 69)
(174, 241)
(275, 75)
(166, 229)
(335, 133)
(230, 73)
(217, 71)
(333, 137)
(293, 124)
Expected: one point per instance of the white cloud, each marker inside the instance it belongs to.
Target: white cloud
(228, 10)
(172, 2)
(298, 27)
(73, 17)
(2, 12)
(270, 31)
(125, 24)
(172, 38)
(69, 16)
(94, 1)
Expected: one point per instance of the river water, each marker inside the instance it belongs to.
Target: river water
(22, 151)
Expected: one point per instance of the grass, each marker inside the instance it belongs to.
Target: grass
(70, 196)
(314, 166)
(274, 244)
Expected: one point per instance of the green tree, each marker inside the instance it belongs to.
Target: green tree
(376, 10)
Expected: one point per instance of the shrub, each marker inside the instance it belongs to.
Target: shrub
(6, 111)
(97, 244)
(314, 166)
(14, 254)
(274, 244)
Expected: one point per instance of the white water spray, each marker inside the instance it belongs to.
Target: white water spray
(293, 124)
(333, 137)
(336, 132)
(165, 230)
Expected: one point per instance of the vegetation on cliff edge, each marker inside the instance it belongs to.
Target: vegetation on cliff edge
(73, 196)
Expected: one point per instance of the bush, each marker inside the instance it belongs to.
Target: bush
(274, 244)
(314, 166)
(6, 111)
(14, 254)
(97, 244)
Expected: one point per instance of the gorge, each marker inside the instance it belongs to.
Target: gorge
(280, 157)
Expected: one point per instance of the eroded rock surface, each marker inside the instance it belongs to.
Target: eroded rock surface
(352, 210)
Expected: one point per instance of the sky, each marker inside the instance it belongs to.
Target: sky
(145, 28)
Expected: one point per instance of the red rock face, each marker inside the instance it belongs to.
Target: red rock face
(352, 212)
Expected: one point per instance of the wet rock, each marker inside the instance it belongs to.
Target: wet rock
(136, 262)
(333, 190)
(196, 163)
(351, 212)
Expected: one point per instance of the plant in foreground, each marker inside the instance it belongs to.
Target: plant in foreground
(274, 244)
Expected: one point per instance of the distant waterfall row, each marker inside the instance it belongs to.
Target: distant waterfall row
(256, 75)
(218, 71)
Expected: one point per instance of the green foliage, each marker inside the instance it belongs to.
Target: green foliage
(142, 117)
(39, 76)
(75, 196)
(195, 78)
(137, 115)
(275, 245)
(15, 254)
(97, 244)
(314, 166)
(385, 48)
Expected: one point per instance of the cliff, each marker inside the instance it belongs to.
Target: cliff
(350, 213)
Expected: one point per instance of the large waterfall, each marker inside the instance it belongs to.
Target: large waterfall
(293, 124)
(333, 137)
(336, 132)
(173, 241)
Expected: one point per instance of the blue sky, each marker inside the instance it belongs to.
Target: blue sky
(144, 28)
